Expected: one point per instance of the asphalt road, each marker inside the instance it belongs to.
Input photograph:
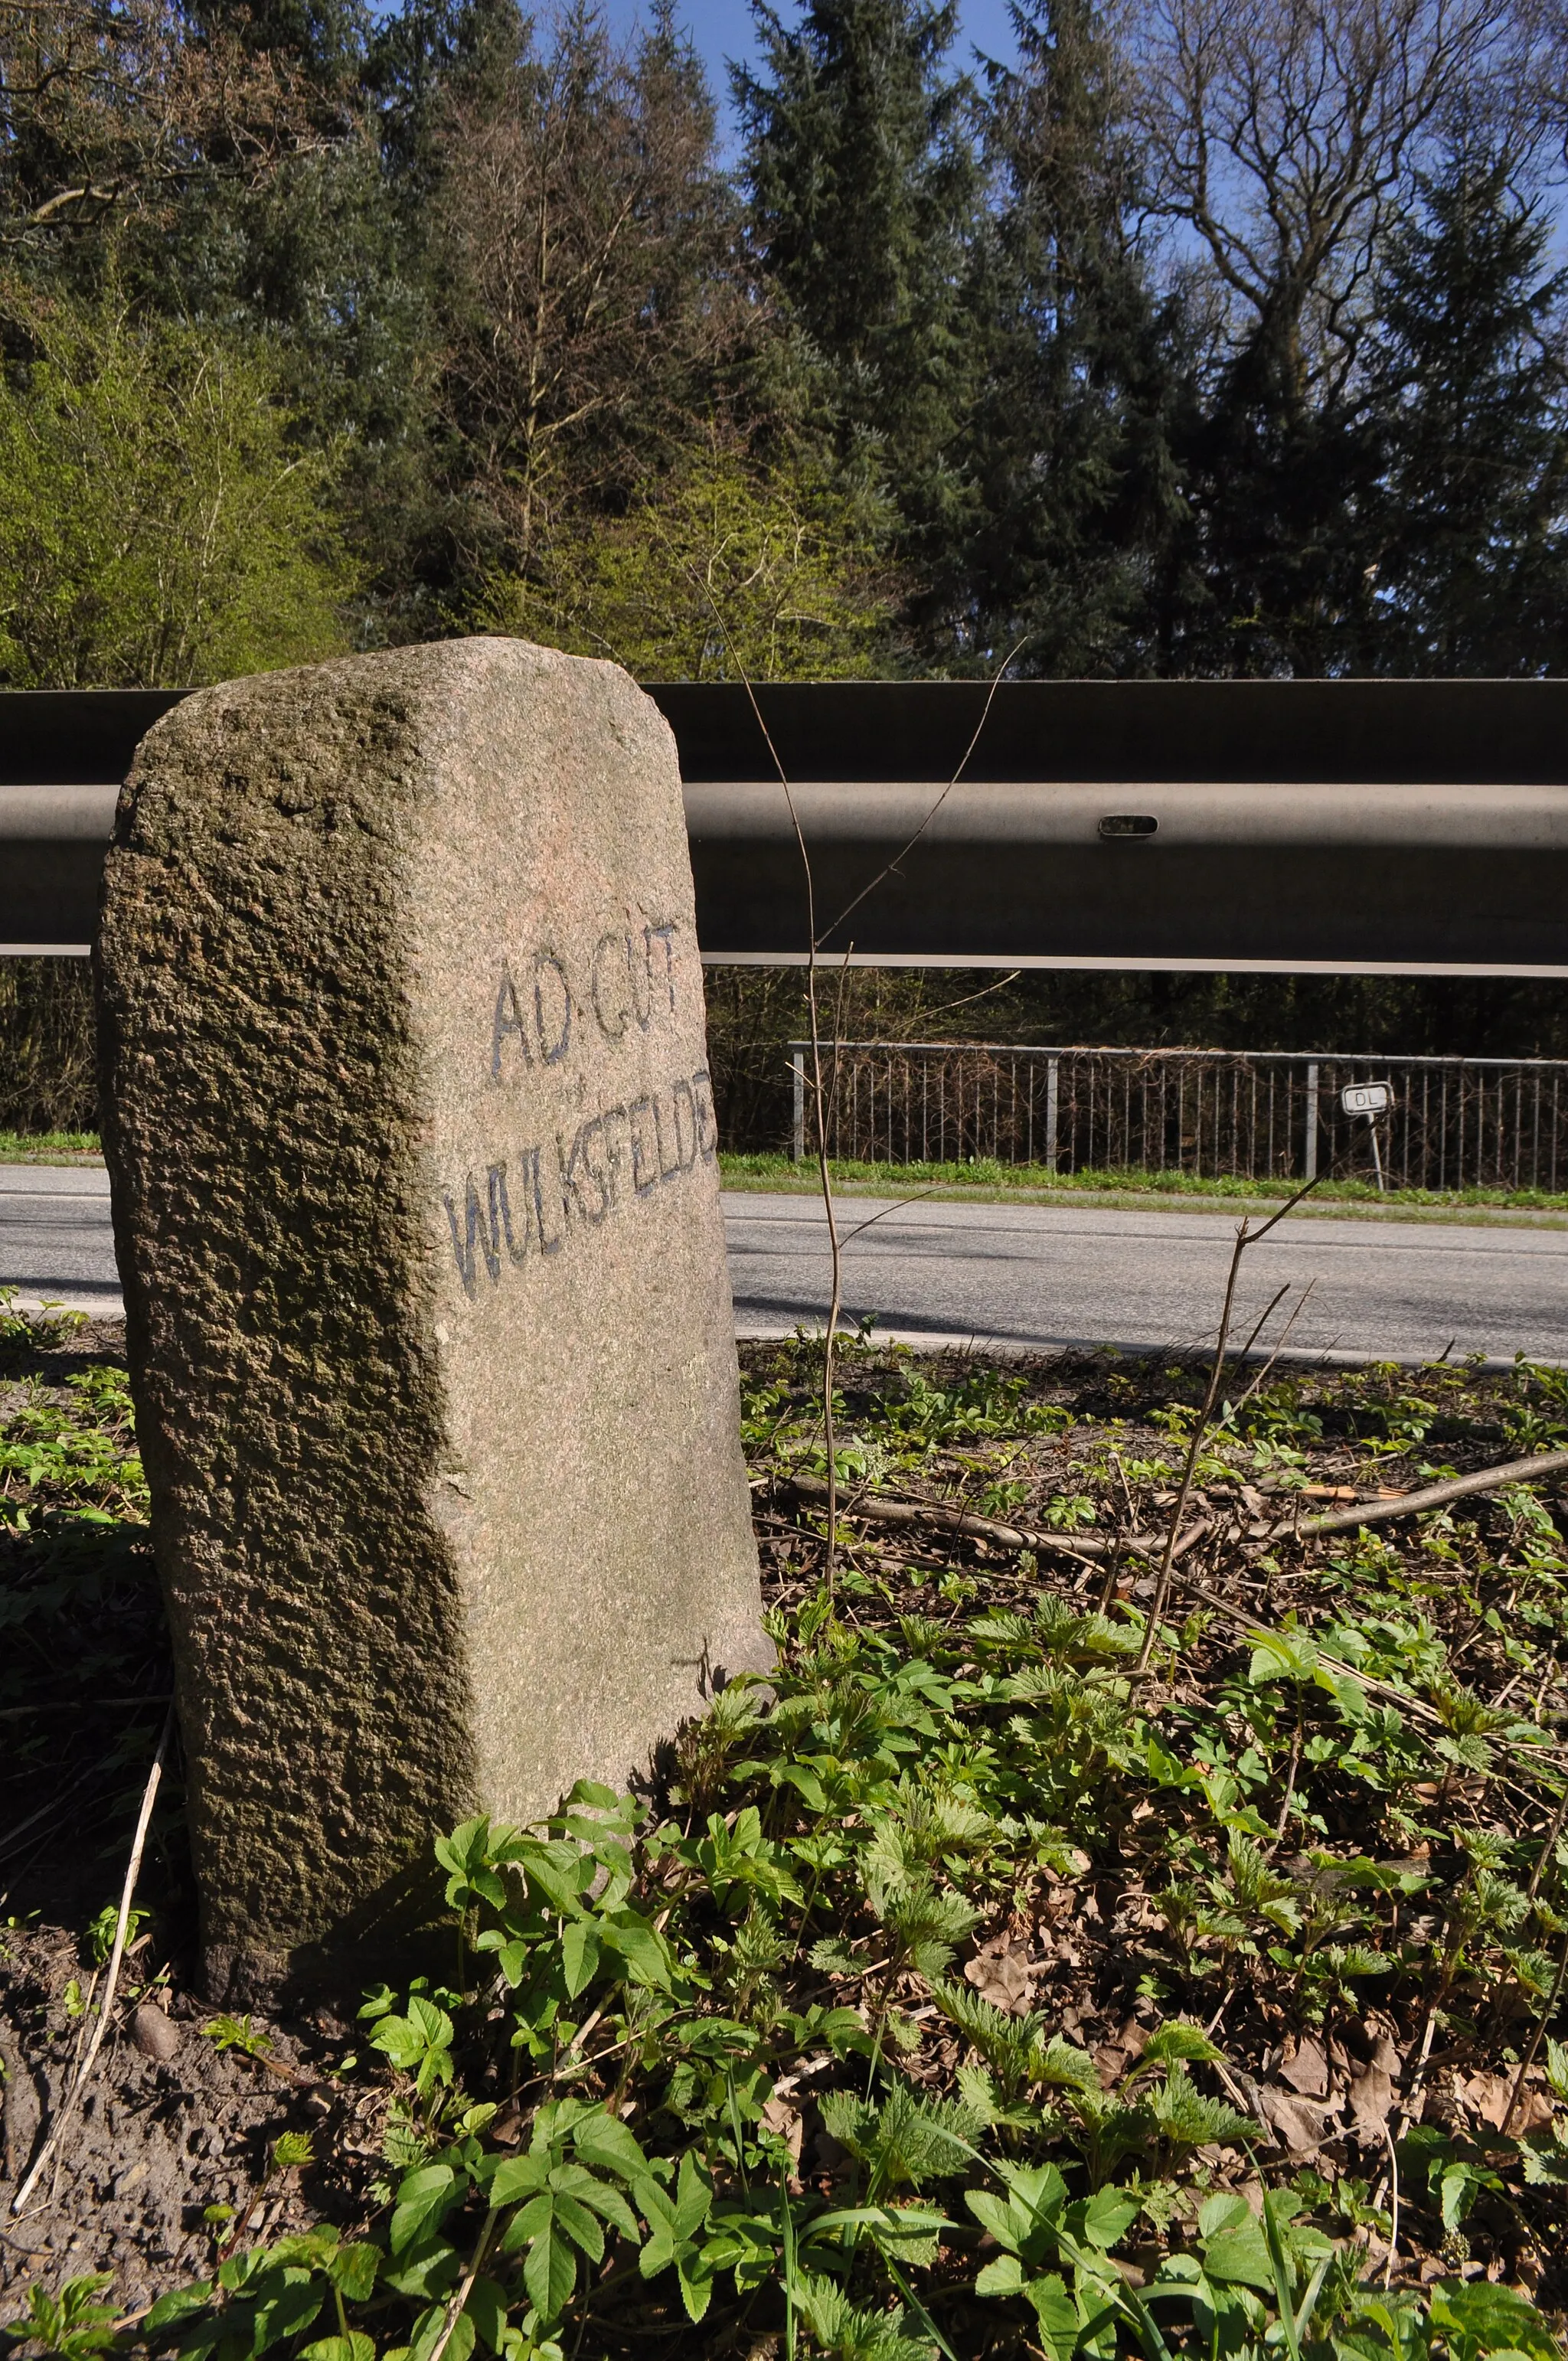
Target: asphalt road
(1017, 1276)
(56, 1244)
(1028, 1276)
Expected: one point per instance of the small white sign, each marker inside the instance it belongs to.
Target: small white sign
(1366, 1098)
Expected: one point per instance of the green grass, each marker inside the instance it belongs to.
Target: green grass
(40, 1147)
(981, 1176)
(984, 1175)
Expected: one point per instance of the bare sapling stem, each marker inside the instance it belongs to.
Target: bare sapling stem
(1265, 1372)
(1291, 1768)
(1264, 1317)
(904, 850)
(1195, 1445)
(1409, 2111)
(821, 1094)
(111, 1981)
(825, 1177)
(466, 2287)
(1528, 2061)
(814, 938)
(826, 1093)
(1246, 1236)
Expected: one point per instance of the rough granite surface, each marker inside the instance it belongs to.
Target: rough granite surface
(416, 1207)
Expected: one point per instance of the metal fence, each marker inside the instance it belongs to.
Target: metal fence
(1450, 1123)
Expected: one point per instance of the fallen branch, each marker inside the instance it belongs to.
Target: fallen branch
(133, 1869)
(1091, 1549)
(1435, 1495)
(876, 1509)
(1088, 1550)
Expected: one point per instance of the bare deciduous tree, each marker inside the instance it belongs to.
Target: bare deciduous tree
(580, 221)
(116, 107)
(1282, 136)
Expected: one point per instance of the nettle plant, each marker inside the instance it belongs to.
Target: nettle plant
(652, 2010)
(744, 2069)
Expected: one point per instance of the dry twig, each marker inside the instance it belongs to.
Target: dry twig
(1246, 1236)
(121, 1923)
(1436, 1496)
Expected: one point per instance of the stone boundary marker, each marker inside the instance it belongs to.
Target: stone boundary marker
(416, 1206)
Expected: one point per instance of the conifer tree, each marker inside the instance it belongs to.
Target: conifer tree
(1069, 441)
(583, 230)
(864, 190)
(1269, 577)
(1473, 566)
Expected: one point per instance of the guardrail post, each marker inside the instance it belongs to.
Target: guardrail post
(1310, 1172)
(1051, 1065)
(797, 1136)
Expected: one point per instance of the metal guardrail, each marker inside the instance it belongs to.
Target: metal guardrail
(1351, 827)
(1450, 1123)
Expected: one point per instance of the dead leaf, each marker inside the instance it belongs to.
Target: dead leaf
(1371, 2098)
(1306, 2068)
(1000, 1973)
(785, 2122)
(1110, 2064)
(1298, 2123)
(1487, 2096)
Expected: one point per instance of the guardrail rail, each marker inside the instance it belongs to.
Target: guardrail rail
(1413, 827)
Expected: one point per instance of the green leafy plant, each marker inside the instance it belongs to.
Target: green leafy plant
(238, 2033)
(72, 2325)
(941, 1910)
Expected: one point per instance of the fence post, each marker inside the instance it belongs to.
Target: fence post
(798, 1138)
(1051, 1064)
(1310, 1172)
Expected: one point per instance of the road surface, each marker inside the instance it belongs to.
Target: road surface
(1035, 1276)
(56, 1244)
(1011, 1275)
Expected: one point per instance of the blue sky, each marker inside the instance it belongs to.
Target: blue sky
(722, 29)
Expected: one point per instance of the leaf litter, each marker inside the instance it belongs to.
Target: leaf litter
(960, 1990)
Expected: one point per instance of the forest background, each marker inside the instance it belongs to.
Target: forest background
(1207, 338)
